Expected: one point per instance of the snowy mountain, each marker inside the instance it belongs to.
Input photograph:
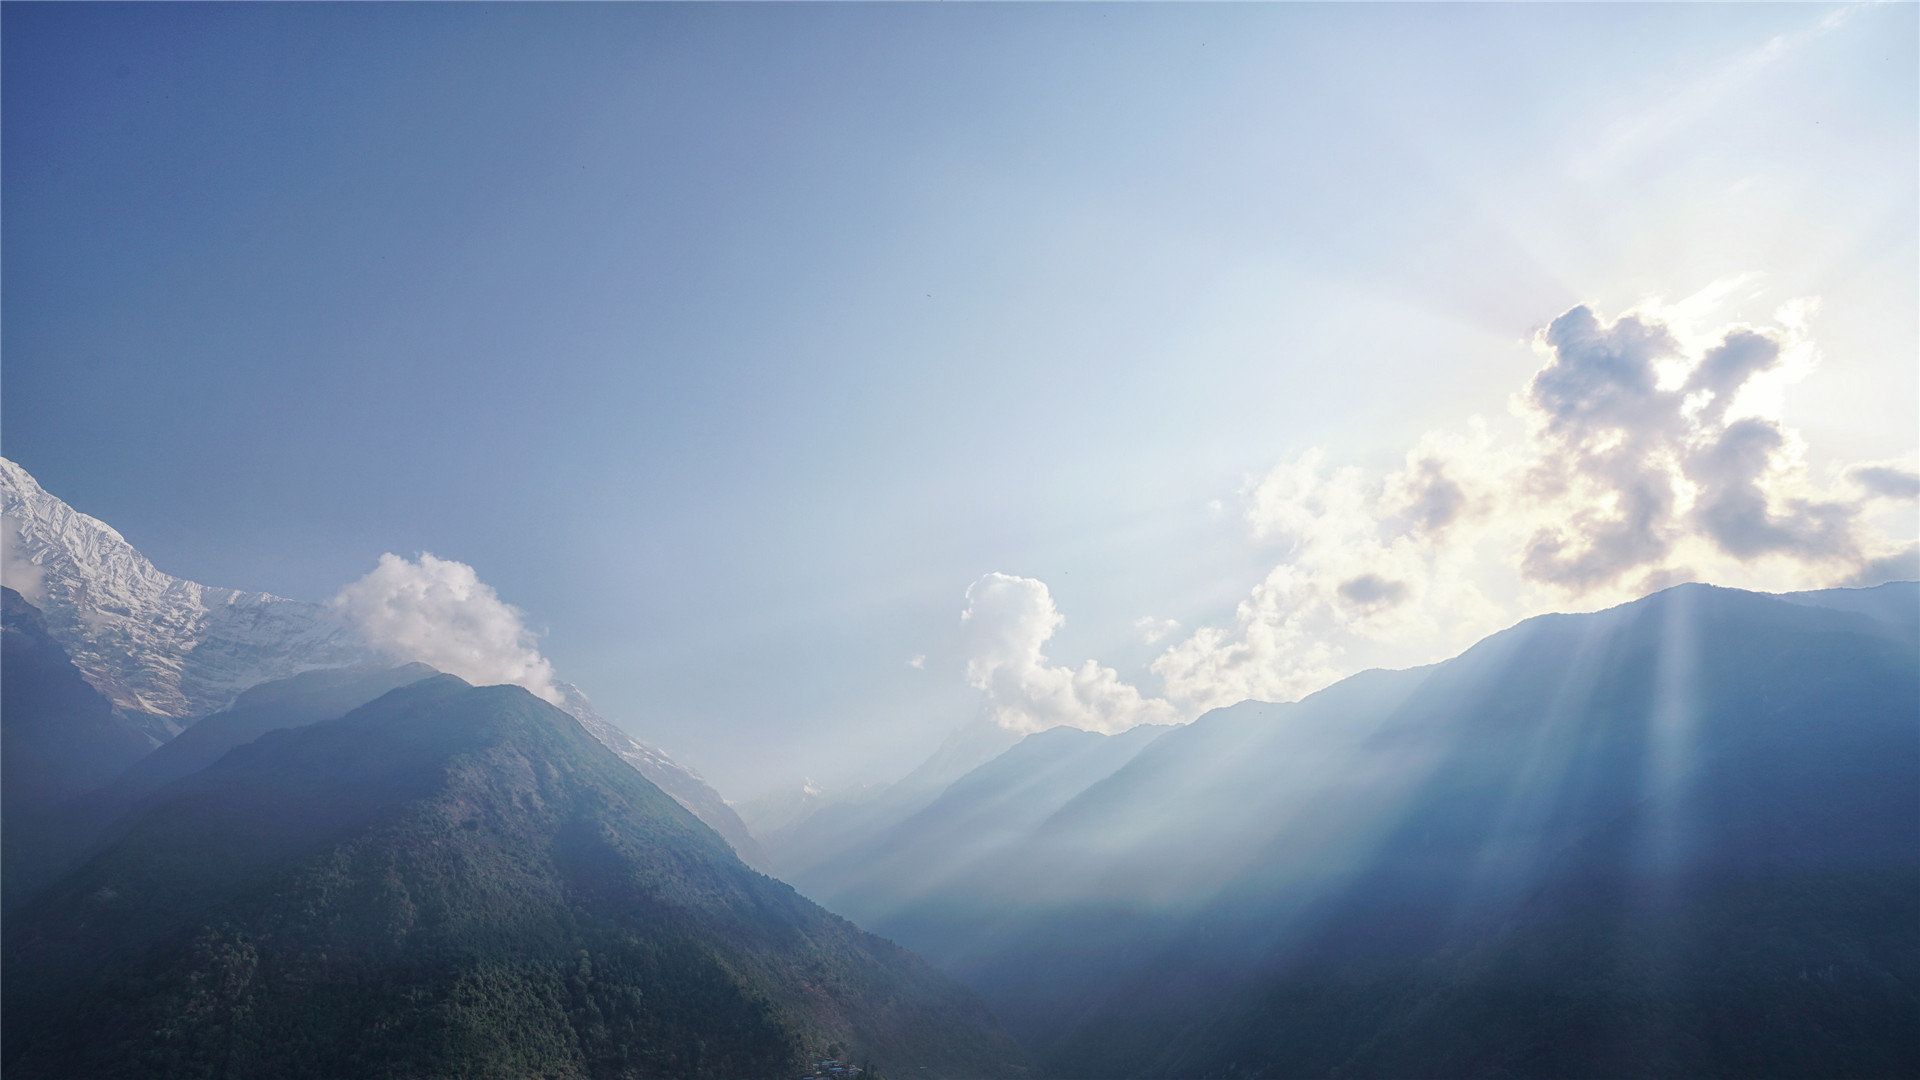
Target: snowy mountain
(151, 643)
(165, 651)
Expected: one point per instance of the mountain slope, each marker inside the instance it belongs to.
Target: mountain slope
(827, 830)
(686, 786)
(303, 699)
(61, 737)
(62, 836)
(58, 738)
(452, 881)
(1673, 838)
(987, 810)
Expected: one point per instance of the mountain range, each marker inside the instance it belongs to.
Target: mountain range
(359, 868)
(1679, 837)
(165, 652)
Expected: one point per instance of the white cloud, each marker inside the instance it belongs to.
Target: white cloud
(1645, 451)
(440, 613)
(1155, 629)
(917, 661)
(17, 571)
(1007, 623)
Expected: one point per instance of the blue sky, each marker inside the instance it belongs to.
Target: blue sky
(734, 344)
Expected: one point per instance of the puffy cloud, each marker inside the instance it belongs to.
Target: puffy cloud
(1642, 453)
(917, 661)
(1602, 377)
(1007, 623)
(440, 613)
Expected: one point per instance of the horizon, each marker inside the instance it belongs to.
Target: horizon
(807, 384)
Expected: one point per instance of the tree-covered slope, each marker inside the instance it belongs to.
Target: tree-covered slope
(452, 881)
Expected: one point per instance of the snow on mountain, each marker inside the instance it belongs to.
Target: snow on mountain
(154, 645)
(165, 651)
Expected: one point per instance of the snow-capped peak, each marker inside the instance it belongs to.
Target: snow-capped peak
(161, 649)
(166, 651)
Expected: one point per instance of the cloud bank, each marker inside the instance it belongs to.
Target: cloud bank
(1645, 455)
(440, 613)
(1007, 623)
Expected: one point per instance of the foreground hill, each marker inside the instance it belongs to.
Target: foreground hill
(1680, 837)
(452, 881)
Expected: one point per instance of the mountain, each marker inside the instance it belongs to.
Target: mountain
(165, 651)
(815, 831)
(58, 738)
(978, 816)
(677, 780)
(61, 836)
(154, 645)
(1678, 837)
(303, 699)
(452, 881)
(777, 812)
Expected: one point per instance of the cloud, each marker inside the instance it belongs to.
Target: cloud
(1641, 453)
(17, 571)
(1007, 623)
(1372, 590)
(1887, 481)
(917, 661)
(1155, 629)
(440, 613)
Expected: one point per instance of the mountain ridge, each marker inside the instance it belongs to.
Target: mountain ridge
(474, 883)
(165, 651)
(1328, 884)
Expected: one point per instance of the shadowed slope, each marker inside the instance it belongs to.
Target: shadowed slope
(452, 881)
(58, 738)
(63, 836)
(1592, 845)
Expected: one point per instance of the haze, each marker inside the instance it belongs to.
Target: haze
(722, 357)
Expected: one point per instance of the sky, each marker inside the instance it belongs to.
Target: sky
(806, 381)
